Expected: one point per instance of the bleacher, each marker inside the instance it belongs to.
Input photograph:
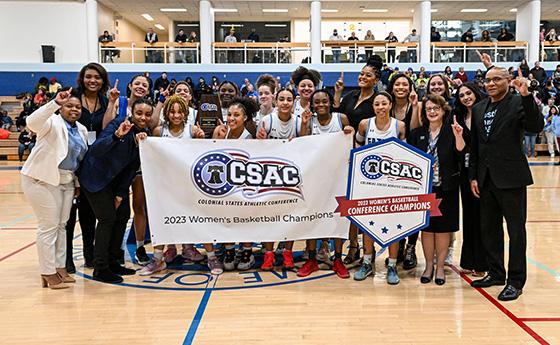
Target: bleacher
(9, 147)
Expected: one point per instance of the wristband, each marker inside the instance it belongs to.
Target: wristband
(489, 68)
(161, 98)
(360, 138)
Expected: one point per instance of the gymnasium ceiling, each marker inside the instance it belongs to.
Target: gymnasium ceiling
(251, 10)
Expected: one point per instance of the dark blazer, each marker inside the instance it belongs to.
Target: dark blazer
(449, 157)
(500, 154)
(110, 160)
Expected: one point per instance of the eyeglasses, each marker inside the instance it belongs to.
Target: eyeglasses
(494, 80)
(433, 109)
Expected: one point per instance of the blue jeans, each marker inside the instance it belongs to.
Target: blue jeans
(530, 141)
(336, 55)
(22, 148)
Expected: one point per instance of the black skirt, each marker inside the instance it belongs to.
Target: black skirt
(449, 207)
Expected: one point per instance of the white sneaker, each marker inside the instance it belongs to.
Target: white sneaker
(153, 267)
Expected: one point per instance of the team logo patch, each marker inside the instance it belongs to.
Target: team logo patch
(374, 167)
(223, 172)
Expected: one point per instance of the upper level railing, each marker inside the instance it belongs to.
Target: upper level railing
(331, 52)
(512, 51)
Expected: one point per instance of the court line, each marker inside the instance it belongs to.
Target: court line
(539, 319)
(545, 268)
(542, 163)
(199, 313)
(18, 229)
(503, 309)
(17, 220)
(12, 168)
(17, 251)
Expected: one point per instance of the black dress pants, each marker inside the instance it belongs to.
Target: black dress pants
(473, 254)
(111, 226)
(87, 224)
(511, 204)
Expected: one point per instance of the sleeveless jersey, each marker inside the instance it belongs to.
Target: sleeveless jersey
(244, 135)
(277, 129)
(373, 134)
(186, 134)
(332, 127)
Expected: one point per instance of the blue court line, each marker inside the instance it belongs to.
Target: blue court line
(545, 268)
(15, 221)
(11, 168)
(543, 163)
(199, 313)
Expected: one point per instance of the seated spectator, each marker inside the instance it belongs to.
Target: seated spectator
(505, 35)
(38, 99)
(485, 37)
(434, 35)
(54, 87)
(107, 54)
(467, 36)
(26, 142)
(21, 120)
(5, 120)
(461, 75)
(539, 73)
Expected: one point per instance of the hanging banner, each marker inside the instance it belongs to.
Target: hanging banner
(223, 191)
(389, 190)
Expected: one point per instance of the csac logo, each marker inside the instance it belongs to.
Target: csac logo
(220, 173)
(374, 167)
(208, 107)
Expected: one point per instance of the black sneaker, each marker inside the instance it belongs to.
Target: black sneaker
(229, 260)
(246, 261)
(410, 260)
(106, 276)
(141, 257)
(122, 271)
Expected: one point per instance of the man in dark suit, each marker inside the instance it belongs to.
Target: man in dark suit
(500, 174)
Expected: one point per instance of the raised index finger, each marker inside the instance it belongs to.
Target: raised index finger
(519, 72)
(116, 86)
(341, 75)
(478, 53)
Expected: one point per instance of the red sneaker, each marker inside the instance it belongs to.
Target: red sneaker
(288, 259)
(308, 267)
(268, 263)
(340, 269)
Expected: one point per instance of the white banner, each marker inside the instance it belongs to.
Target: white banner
(202, 191)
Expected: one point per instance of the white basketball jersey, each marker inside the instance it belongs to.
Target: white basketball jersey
(335, 125)
(186, 134)
(373, 134)
(277, 129)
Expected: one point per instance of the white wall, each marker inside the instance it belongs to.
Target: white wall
(28, 25)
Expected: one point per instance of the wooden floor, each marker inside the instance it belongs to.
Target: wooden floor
(187, 305)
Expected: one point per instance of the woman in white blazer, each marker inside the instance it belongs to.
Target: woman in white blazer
(48, 180)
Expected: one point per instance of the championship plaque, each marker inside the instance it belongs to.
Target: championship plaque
(389, 193)
(209, 114)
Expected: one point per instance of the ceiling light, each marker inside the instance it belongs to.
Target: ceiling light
(434, 10)
(275, 25)
(231, 25)
(474, 10)
(375, 10)
(159, 26)
(328, 11)
(187, 25)
(513, 10)
(173, 9)
(226, 10)
(275, 10)
(148, 17)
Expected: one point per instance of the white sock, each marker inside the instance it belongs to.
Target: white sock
(368, 258)
(139, 244)
(392, 262)
(158, 254)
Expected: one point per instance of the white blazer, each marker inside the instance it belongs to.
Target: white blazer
(52, 144)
